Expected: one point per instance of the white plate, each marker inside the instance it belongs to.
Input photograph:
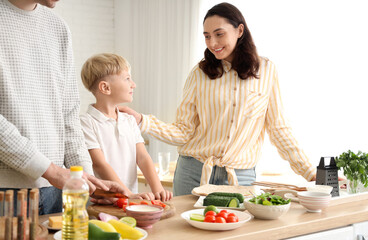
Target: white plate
(46, 224)
(243, 218)
(57, 235)
(199, 204)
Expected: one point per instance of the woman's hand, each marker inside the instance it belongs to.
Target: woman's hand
(128, 110)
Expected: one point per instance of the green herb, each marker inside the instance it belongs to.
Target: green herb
(269, 199)
(355, 166)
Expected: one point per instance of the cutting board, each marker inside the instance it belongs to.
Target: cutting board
(95, 209)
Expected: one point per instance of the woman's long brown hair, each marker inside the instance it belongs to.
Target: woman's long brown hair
(246, 60)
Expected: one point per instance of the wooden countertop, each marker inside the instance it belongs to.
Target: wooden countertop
(296, 222)
(166, 181)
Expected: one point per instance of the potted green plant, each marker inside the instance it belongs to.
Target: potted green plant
(355, 167)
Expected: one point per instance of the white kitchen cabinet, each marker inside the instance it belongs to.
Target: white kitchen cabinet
(344, 233)
(361, 229)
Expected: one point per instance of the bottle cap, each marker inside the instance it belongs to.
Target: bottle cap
(76, 168)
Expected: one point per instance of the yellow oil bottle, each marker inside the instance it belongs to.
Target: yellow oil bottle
(75, 197)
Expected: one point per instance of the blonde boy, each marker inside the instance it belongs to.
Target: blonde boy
(113, 138)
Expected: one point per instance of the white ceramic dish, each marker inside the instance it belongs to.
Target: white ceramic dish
(243, 218)
(46, 224)
(199, 204)
(266, 212)
(314, 201)
(57, 235)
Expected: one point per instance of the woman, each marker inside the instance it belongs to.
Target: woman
(230, 98)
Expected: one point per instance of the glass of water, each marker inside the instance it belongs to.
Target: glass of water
(163, 163)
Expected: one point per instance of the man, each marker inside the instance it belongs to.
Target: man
(39, 104)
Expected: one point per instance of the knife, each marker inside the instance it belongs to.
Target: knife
(99, 193)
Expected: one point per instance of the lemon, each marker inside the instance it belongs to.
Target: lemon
(129, 221)
(210, 208)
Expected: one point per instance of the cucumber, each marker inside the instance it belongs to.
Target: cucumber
(216, 201)
(239, 196)
(197, 217)
(234, 203)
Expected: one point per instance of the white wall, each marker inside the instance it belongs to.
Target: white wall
(319, 47)
(92, 25)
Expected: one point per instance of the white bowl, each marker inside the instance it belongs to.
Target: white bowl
(243, 218)
(320, 188)
(314, 201)
(266, 212)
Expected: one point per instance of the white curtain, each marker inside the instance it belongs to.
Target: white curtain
(160, 40)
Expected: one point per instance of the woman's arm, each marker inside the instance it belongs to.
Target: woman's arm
(281, 135)
(104, 170)
(147, 167)
(187, 119)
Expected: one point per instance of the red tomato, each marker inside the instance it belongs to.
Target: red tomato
(223, 210)
(163, 205)
(133, 203)
(222, 214)
(210, 219)
(210, 213)
(124, 208)
(144, 203)
(220, 220)
(232, 219)
(156, 202)
(121, 202)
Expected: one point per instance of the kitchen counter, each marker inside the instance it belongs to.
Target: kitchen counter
(296, 222)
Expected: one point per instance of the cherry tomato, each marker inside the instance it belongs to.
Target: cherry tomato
(233, 215)
(224, 211)
(163, 205)
(213, 213)
(210, 219)
(144, 203)
(222, 214)
(133, 203)
(220, 220)
(121, 202)
(232, 219)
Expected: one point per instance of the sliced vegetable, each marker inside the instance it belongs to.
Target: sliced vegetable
(234, 203)
(197, 217)
(106, 217)
(129, 221)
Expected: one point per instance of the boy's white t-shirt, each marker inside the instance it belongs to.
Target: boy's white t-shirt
(117, 140)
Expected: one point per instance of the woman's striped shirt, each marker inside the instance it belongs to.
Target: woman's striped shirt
(223, 121)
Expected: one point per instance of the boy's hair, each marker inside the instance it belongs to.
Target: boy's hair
(101, 65)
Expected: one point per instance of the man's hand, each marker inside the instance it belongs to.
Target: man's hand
(57, 176)
(137, 116)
